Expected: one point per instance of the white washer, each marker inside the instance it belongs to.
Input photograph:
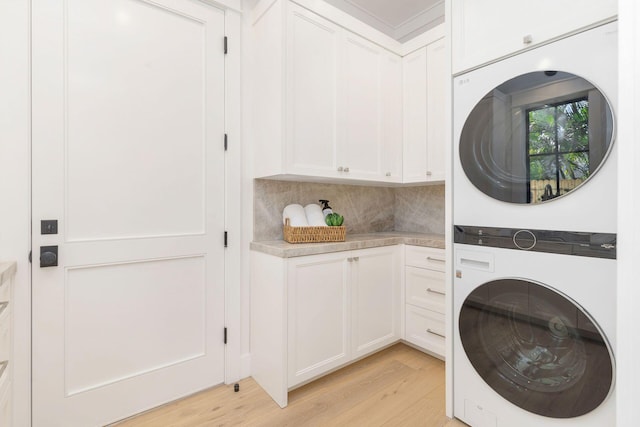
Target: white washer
(501, 162)
(534, 332)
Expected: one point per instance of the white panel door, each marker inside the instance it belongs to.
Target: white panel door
(128, 124)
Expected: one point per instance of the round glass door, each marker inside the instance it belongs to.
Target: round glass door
(536, 137)
(536, 348)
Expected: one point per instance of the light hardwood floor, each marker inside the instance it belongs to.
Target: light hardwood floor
(399, 386)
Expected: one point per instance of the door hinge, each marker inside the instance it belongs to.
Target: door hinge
(225, 239)
(225, 335)
(225, 45)
(226, 144)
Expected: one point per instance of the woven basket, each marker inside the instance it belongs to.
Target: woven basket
(313, 234)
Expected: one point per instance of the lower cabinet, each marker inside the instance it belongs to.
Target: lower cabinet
(314, 313)
(425, 299)
(318, 315)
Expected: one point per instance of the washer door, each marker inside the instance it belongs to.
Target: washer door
(536, 348)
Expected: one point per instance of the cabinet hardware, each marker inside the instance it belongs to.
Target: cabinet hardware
(388, 174)
(346, 169)
(435, 333)
(356, 258)
(434, 259)
(433, 291)
(226, 145)
(225, 335)
(527, 39)
(340, 168)
(428, 173)
(226, 48)
(349, 259)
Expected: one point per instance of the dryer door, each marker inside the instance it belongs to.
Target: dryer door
(536, 137)
(536, 348)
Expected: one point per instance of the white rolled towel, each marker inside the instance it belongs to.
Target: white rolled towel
(296, 215)
(315, 217)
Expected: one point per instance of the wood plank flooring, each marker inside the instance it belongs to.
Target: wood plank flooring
(399, 386)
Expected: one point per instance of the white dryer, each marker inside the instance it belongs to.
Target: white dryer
(534, 328)
(534, 137)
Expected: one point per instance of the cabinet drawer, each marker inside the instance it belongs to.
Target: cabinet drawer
(430, 258)
(426, 329)
(425, 288)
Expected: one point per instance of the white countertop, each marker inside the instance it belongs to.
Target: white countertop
(282, 249)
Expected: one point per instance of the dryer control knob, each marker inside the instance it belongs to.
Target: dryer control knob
(524, 239)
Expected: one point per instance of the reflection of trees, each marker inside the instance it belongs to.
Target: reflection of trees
(559, 141)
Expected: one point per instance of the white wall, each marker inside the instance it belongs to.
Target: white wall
(628, 369)
(15, 211)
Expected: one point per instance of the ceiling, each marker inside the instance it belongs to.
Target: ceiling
(400, 19)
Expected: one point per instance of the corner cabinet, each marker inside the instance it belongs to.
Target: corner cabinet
(425, 85)
(327, 102)
(313, 314)
(480, 35)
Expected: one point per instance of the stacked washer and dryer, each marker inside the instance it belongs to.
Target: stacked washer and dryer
(534, 194)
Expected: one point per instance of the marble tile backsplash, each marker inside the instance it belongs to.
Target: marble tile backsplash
(419, 209)
(365, 209)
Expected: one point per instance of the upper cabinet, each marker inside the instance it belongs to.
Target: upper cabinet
(312, 55)
(327, 102)
(489, 30)
(425, 84)
(371, 106)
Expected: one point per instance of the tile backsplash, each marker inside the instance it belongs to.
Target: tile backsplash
(365, 209)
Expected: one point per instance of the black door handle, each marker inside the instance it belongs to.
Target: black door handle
(48, 256)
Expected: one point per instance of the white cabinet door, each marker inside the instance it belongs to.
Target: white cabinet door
(370, 111)
(436, 114)
(391, 118)
(414, 69)
(481, 34)
(361, 140)
(311, 100)
(318, 321)
(375, 293)
(424, 83)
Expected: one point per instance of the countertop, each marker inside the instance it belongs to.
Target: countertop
(282, 249)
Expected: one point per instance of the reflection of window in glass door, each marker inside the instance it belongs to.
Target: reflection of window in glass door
(557, 148)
